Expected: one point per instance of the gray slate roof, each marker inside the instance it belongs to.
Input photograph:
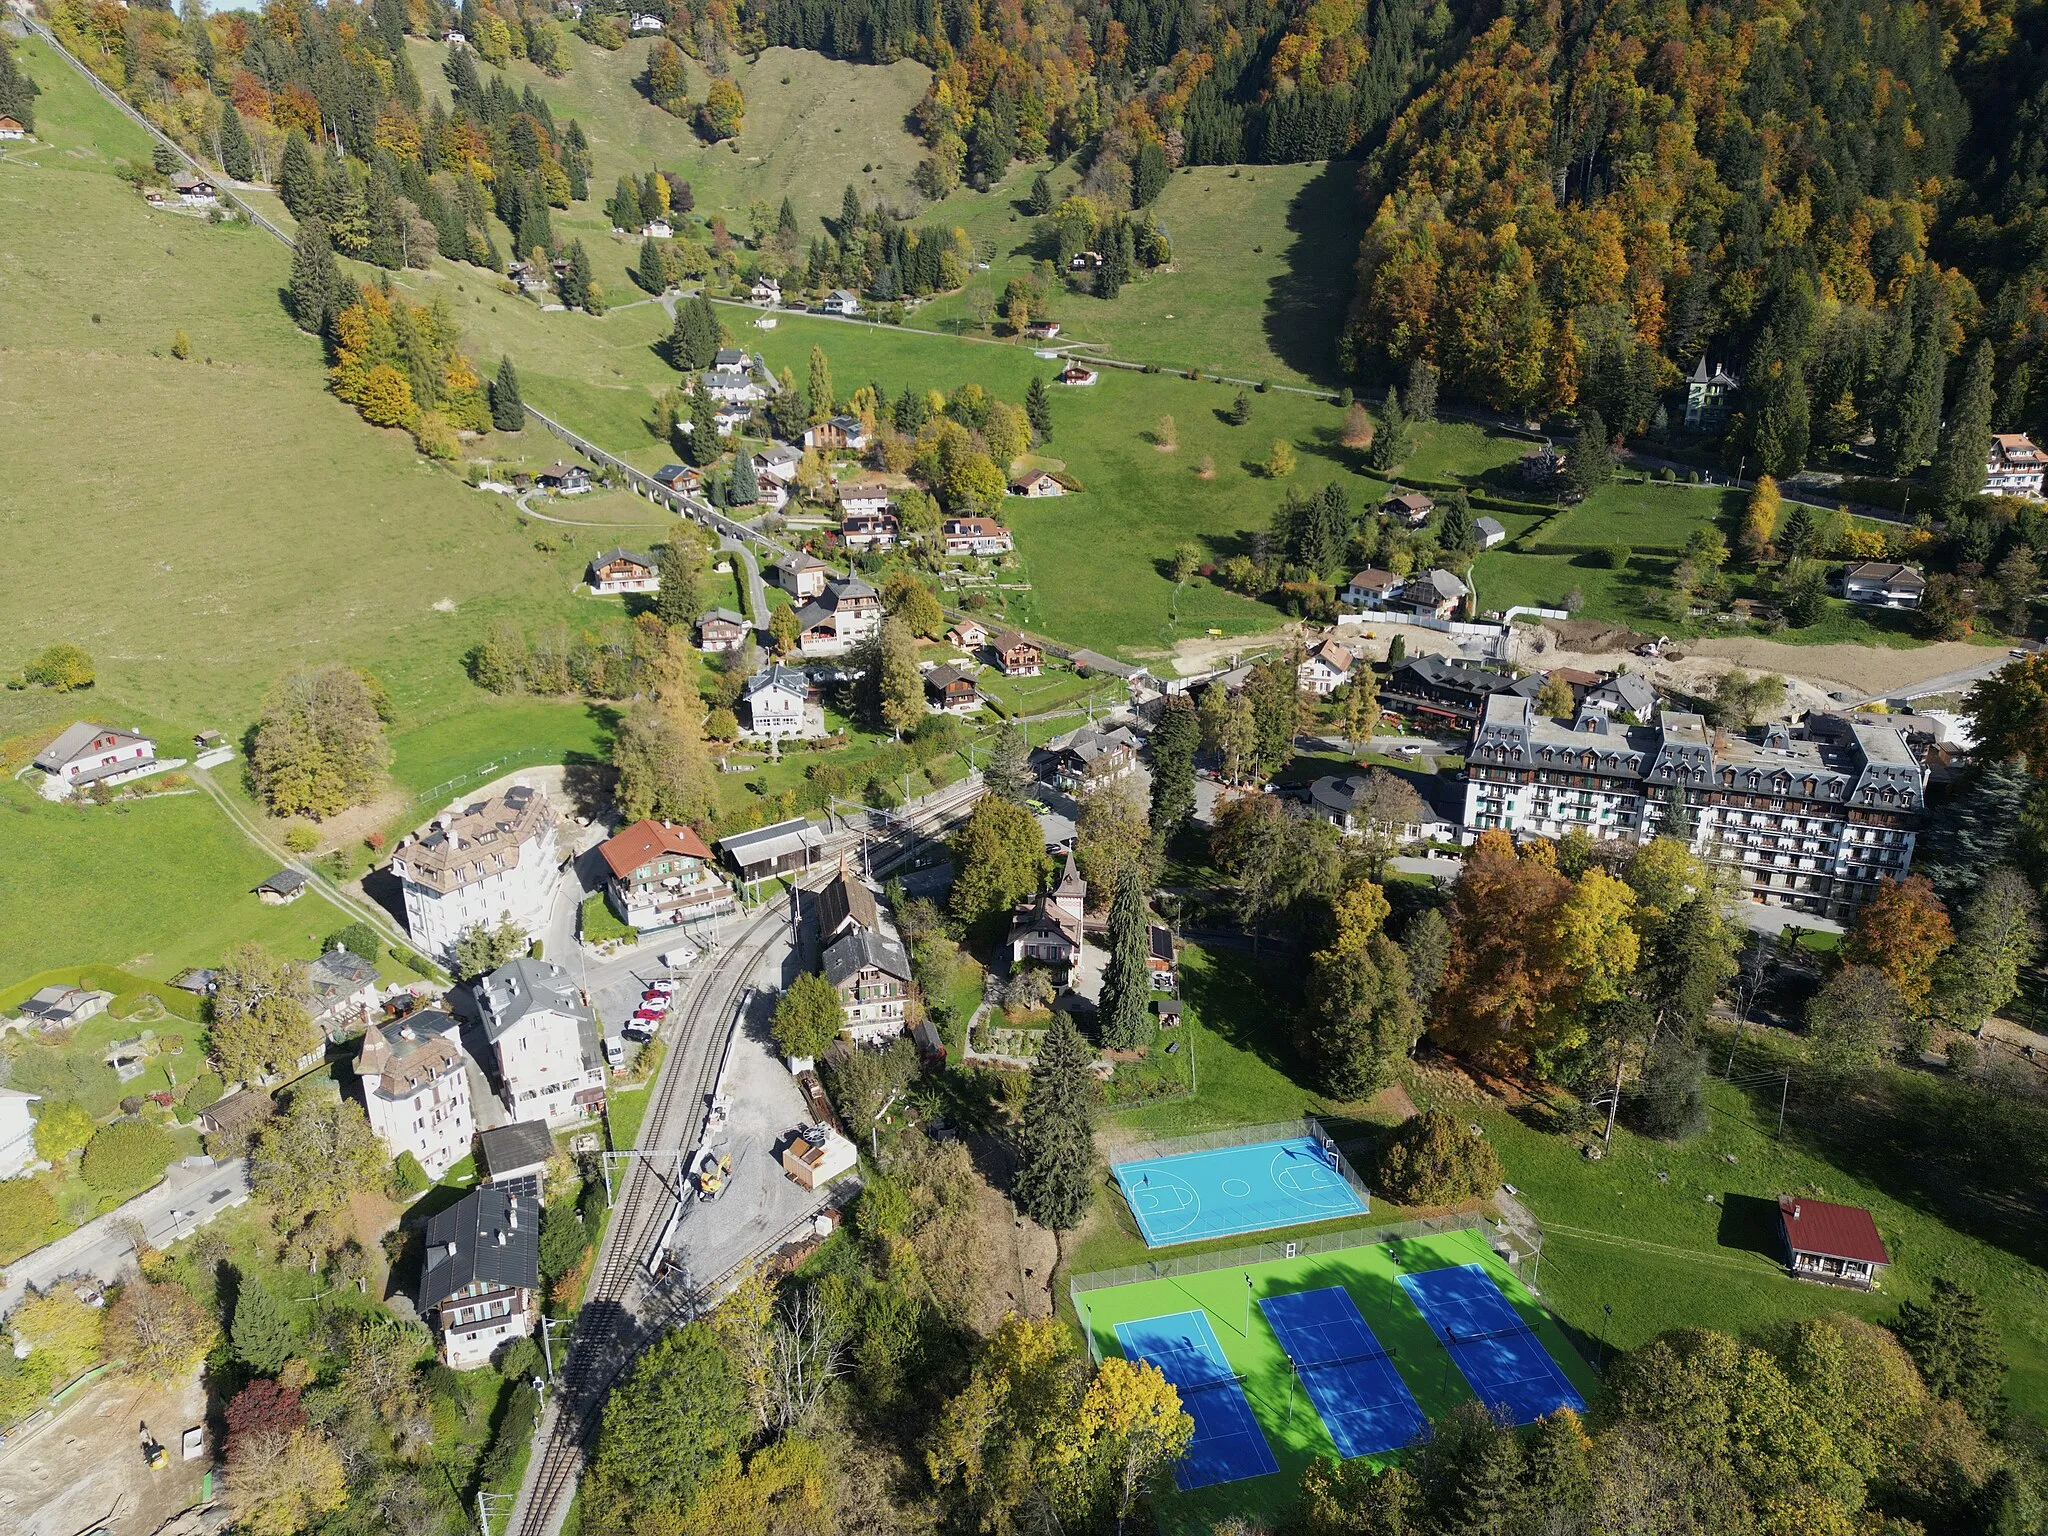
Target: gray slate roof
(74, 740)
(490, 1235)
(861, 949)
(521, 1144)
(777, 676)
(523, 986)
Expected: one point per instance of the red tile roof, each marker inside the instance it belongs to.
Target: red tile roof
(626, 850)
(1833, 1231)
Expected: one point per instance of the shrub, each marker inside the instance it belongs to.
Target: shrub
(62, 667)
(26, 1213)
(1614, 558)
(1435, 1160)
(407, 1177)
(61, 1129)
(204, 1093)
(127, 1155)
(302, 840)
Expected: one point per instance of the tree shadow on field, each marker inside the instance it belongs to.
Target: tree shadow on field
(1306, 304)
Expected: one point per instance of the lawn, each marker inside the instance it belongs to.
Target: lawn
(1292, 1426)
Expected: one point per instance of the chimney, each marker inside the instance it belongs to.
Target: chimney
(1795, 1210)
(512, 1206)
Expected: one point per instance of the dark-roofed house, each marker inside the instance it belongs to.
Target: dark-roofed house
(1094, 755)
(1449, 690)
(721, 631)
(481, 1278)
(1883, 584)
(1159, 956)
(1436, 593)
(282, 888)
(1410, 508)
(415, 1083)
(545, 1037)
(662, 875)
(86, 753)
(777, 700)
(344, 988)
(1489, 531)
(871, 974)
(869, 530)
(1017, 656)
(836, 434)
(60, 1006)
(196, 191)
(1624, 692)
(680, 477)
(1834, 1244)
(623, 570)
(847, 906)
(1046, 928)
(516, 1156)
(229, 1123)
(847, 612)
(563, 479)
(802, 575)
(773, 850)
(952, 691)
(1709, 396)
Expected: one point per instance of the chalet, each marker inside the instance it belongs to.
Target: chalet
(776, 700)
(1539, 467)
(1326, 668)
(2014, 466)
(481, 1279)
(196, 191)
(766, 291)
(544, 1035)
(1709, 397)
(516, 1156)
(85, 753)
(839, 434)
(560, 479)
(733, 386)
(344, 992)
(1159, 956)
(1040, 483)
(1453, 690)
(1042, 330)
(1410, 508)
(730, 357)
(968, 635)
(847, 612)
(662, 876)
(1834, 1244)
(657, 229)
(778, 462)
(642, 24)
(1489, 531)
(1373, 588)
(1046, 929)
(773, 850)
(846, 906)
(721, 631)
(1352, 804)
(866, 495)
(11, 128)
(1623, 693)
(869, 530)
(802, 575)
(871, 974)
(17, 1131)
(1084, 261)
(839, 301)
(623, 570)
(976, 536)
(1017, 656)
(1438, 594)
(530, 279)
(282, 888)
(1076, 375)
(1093, 755)
(1883, 584)
(952, 691)
(415, 1083)
(728, 419)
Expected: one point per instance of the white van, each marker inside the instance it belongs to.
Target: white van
(615, 1052)
(678, 959)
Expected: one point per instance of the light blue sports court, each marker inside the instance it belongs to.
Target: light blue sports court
(1228, 1443)
(1504, 1362)
(1188, 1196)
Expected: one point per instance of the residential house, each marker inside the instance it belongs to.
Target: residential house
(733, 386)
(775, 471)
(1372, 588)
(345, 996)
(1834, 1244)
(196, 191)
(1489, 531)
(1623, 693)
(17, 1126)
(1438, 594)
(1539, 467)
(623, 570)
(1017, 656)
(1709, 397)
(1883, 584)
(780, 849)
(1042, 330)
(643, 24)
(229, 1122)
(968, 635)
(1347, 802)
(662, 875)
(60, 1007)
(839, 301)
(415, 1083)
(975, 536)
(1325, 669)
(480, 1282)
(952, 691)
(1046, 929)
(1159, 956)
(1076, 375)
(721, 631)
(85, 753)
(846, 613)
(776, 700)
(491, 862)
(871, 974)
(837, 434)
(282, 888)
(1451, 690)
(11, 128)
(865, 495)
(657, 229)
(531, 279)
(731, 357)
(1580, 682)
(869, 530)
(516, 1156)
(728, 419)
(1038, 483)
(1409, 508)
(545, 1037)
(802, 575)
(766, 290)
(1094, 755)
(846, 906)
(560, 479)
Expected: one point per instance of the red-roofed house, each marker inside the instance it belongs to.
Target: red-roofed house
(1834, 1244)
(662, 875)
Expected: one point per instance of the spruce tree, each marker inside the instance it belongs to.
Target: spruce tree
(1959, 462)
(680, 602)
(744, 490)
(1038, 409)
(315, 277)
(849, 215)
(1126, 983)
(1008, 775)
(1175, 740)
(163, 158)
(17, 91)
(701, 444)
(1390, 443)
(1910, 421)
(1241, 409)
(1976, 829)
(785, 220)
(260, 1336)
(1040, 199)
(1590, 464)
(235, 157)
(575, 284)
(1055, 1137)
(298, 178)
(909, 411)
(1956, 1348)
(652, 272)
(508, 410)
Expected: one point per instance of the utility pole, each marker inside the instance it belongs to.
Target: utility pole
(1614, 1103)
(485, 1502)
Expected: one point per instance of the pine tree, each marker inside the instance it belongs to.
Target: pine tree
(1175, 740)
(1910, 423)
(652, 271)
(1040, 199)
(701, 445)
(575, 284)
(1590, 464)
(508, 410)
(260, 1336)
(1148, 174)
(1422, 386)
(785, 221)
(235, 158)
(909, 411)
(744, 489)
(315, 277)
(680, 602)
(1976, 829)
(1055, 1137)
(849, 215)
(1390, 442)
(1956, 1348)
(1008, 775)
(1126, 1016)
(1038, 409)
(298, 178)
(1241, 409)
(17, 91)
(1959, 462)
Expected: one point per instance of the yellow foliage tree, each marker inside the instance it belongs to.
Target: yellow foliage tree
(1130, 1427)
(385, 398)
(1760, 520)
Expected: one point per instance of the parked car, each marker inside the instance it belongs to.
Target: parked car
(650, 1015)
(615, 1051)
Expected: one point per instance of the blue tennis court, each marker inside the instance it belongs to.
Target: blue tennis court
(1195, 1195)
(1363, 1401)
(1228, 1444)
(1503, 1360)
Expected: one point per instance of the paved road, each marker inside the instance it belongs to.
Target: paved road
(187, 1199)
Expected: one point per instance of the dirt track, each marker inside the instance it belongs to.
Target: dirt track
(87, 1466)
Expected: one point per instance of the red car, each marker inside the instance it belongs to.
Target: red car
(649, 1015)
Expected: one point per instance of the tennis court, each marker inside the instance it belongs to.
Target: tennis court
(1347, 1373)
(1228, 1444)
(1500, 1355)
(1233, 1190)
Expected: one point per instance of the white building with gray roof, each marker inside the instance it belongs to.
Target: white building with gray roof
(544, 1036)
(871, 974)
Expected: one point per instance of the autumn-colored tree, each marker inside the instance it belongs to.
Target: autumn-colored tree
(1280, 462)
(1501, 978)
(1129, 1428)
(1358, 427)
(280, 1483)
(1902, 931)
(1760, 521)
(2009, 714)
(159, 1329)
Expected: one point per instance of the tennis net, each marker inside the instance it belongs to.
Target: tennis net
(1480, 1336)
(1303, 1367)
(1189, 1389)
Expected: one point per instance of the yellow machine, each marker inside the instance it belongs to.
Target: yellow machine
(712, 1173)
(153, 1451)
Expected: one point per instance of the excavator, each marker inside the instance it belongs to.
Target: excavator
(153, 1451)
(713, 1169)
